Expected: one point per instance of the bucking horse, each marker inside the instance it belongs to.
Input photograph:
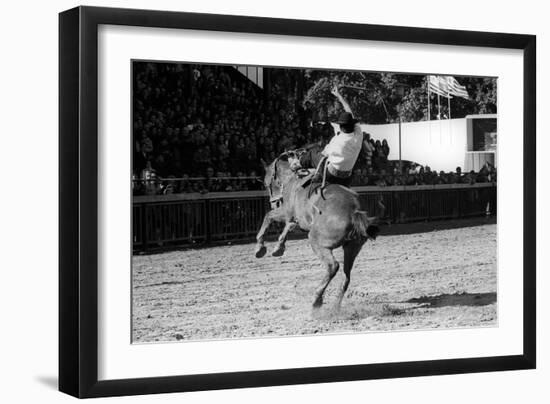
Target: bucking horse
(331, 216)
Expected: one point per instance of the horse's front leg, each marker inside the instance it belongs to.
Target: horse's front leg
(271, 216)
(279, 249)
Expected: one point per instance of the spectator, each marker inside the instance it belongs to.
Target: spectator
(385, 153)
(458, 176)
(367, 150)
(470, 178)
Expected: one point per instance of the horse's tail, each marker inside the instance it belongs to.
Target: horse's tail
(363, 227)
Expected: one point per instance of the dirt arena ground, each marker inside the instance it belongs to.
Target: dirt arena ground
(436, 279)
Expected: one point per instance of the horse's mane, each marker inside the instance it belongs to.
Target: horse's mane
(274, 174)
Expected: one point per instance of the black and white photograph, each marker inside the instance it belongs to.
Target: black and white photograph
(280, 201)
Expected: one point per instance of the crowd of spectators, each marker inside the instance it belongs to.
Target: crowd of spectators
(414, 174)
(201, 121)
(202, 128)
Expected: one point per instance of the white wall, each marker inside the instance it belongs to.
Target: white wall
(439, 144)
(28, 291)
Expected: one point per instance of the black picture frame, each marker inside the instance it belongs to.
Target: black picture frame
(78, 201)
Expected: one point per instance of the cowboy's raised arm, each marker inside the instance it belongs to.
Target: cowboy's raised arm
(344, 103)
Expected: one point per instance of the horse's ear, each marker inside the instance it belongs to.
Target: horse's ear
(264, 164)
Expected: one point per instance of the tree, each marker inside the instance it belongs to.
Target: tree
(375, 99)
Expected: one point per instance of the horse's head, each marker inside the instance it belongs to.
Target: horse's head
(278, 173)
(294, 158)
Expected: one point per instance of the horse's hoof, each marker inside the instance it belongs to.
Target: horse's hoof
(317, 303)
(278, 252)
(260, 252)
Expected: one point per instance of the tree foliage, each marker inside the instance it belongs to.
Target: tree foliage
(376, 98)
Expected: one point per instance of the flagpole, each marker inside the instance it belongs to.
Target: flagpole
(429, 108)
(428, 84)
(450, 124)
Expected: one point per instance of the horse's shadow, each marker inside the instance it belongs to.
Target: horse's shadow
(360, 311)
(455, 299)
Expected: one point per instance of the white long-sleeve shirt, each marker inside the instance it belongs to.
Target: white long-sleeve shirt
(343, 149)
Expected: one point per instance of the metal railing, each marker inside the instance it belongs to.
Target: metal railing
(162, 186)
(167, 185)
(164, 221)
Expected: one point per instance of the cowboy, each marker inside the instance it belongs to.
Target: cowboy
(343, 149)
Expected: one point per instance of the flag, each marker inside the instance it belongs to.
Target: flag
(447, 86)
(439, 85)
(455, 88)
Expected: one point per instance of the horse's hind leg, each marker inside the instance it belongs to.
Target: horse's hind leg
(351, 250)
(331, 265)
(279, 249)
